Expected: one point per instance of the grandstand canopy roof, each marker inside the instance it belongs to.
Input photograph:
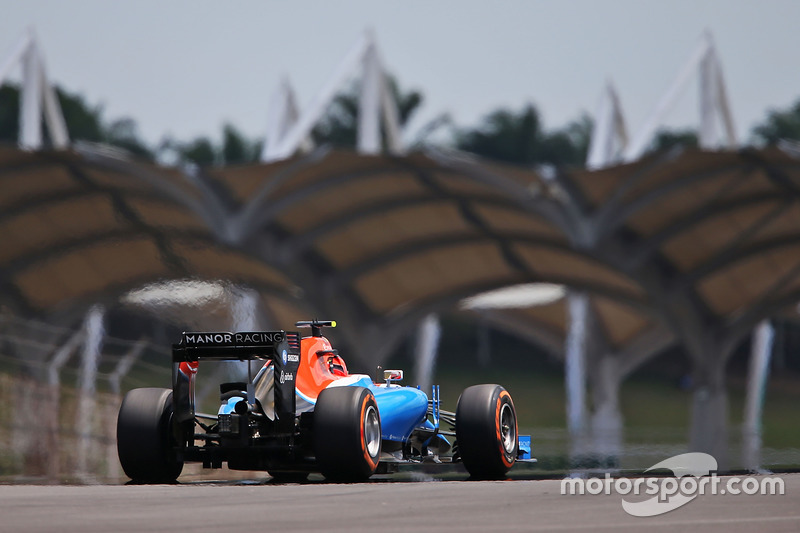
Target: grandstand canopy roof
(77, 231)
(380, 241)
(722, 227)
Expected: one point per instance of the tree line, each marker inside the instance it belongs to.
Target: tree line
(516, 136)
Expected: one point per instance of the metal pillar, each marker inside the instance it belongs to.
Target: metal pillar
(428, 335)
(709, 409)
(376, 101)
(301, 130)
(713, 101)
(606, 417)
(36, 92)
(760, 356)
(16, 54)
(369, 110)
(609, 134)
(54, 118)
(30, 106)
(90, 358)
(609, 139)
(709, 420)
(282, 115)
(391, 119)
(575, 371)
(244, 310)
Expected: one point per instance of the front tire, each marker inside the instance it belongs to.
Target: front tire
(347, 433)
(144, 439)
(486, 431)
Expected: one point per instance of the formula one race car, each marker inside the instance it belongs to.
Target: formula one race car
(303, 412)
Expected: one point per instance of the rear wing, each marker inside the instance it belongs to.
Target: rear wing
(241, 346)
(280, 347)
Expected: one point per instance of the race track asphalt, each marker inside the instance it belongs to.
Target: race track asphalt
(517, 505)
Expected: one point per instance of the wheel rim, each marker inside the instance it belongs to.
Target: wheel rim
(508, 428)
(372, 431)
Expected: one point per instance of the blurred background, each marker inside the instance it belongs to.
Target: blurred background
(595, 205)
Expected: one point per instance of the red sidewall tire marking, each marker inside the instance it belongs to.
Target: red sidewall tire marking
(370, 460)
(509, 462)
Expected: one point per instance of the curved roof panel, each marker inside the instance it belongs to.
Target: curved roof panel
(77, 228)
(721, 226)
(400, 233)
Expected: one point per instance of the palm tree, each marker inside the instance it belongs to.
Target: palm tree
(520, 138)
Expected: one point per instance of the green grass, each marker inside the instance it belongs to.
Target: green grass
(539, 399)
(781, 415)
(648, 404)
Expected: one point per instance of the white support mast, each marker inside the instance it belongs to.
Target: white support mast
(282, 115)
(30, 101)
(369, 106)
(288, 133)
(760, 356)
(609, 134)
(429, 332)
(713, 102)
(37, 96)
(575, 371)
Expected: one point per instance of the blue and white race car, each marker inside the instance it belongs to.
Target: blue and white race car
(304, 412)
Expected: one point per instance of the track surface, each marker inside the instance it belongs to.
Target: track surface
(375, 506)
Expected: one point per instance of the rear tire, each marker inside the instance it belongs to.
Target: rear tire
(144, 438)
(486, 431)
(347, 433)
